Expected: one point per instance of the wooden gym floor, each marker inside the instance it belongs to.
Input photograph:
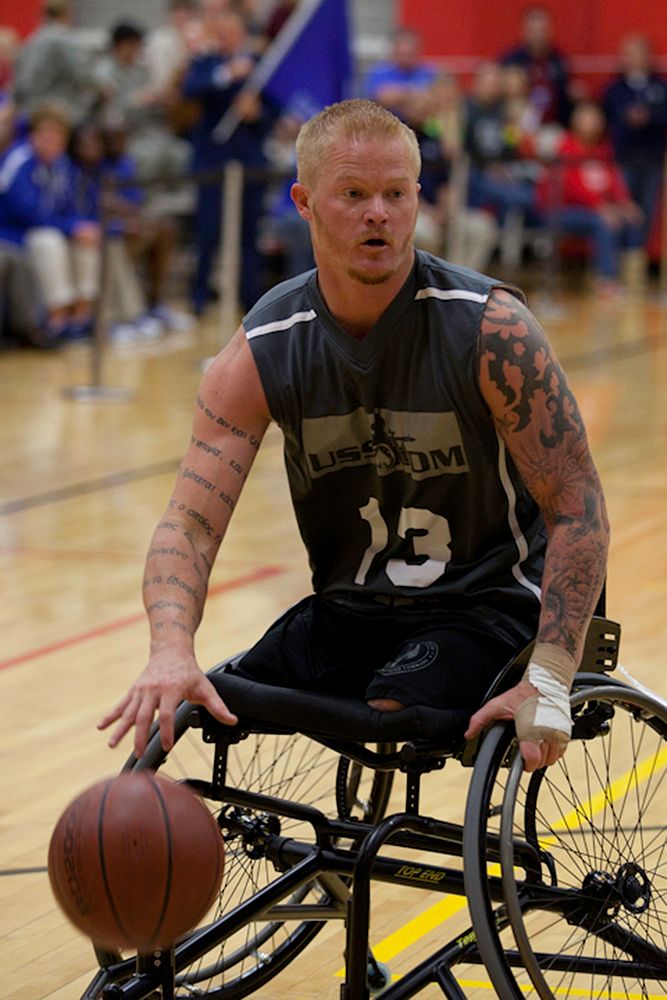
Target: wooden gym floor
(82, 486)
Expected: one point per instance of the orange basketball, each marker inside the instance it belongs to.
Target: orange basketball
(136, 861)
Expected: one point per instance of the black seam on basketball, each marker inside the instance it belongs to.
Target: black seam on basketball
(168, 879)
(105, 878)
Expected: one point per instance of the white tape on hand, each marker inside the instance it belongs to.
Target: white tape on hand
(547, 716)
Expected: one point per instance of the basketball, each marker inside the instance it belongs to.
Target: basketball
(136, 861)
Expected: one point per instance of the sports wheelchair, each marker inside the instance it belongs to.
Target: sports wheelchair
(564, 871)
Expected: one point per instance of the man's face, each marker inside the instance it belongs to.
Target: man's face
(406, 50)
(635, 55)
(538, 30)
(49, 140)
(362, 209)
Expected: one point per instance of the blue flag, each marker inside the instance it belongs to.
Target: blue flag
(308, 65)
(313, 65)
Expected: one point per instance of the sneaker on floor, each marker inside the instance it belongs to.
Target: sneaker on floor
(148, 327)
(123, 333)
(172, 319)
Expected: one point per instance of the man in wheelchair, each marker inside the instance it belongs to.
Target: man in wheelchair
(444, 490)
(437, 461)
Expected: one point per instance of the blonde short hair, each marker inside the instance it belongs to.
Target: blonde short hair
(355, 119)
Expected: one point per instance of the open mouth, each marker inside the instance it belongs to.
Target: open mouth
(375, 241)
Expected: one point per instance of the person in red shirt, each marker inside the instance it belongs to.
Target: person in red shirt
(591, 198)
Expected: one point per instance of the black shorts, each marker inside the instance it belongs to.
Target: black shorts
(418, 655)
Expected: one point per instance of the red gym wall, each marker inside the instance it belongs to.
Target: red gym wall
(593, 28)
(24, 15)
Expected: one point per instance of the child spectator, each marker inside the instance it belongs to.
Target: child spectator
(37, 211)
(136, 242)
(595, 200)
(497, 180)
(131, 97)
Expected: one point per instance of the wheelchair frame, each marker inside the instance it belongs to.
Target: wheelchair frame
(345, 873)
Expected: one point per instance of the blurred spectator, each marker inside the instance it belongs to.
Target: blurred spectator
(278, 15)
(210, 10)
(547, 69)
(215, 79)
(445, 113)
(284, 229)
(166, 52)
(595, 200)
(124, 77)
(635, 104)
(498, 180)
(444, 222)
(53, 66)
(136, 241)
(522, 122)
(37, 211)
(393, 83)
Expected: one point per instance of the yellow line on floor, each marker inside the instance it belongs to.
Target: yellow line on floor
(415, 929)
(582, 814)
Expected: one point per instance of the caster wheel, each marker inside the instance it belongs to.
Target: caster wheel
(379, 977)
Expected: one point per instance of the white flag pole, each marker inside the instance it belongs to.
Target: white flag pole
(269, 62)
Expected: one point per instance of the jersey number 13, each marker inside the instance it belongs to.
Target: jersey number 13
(427, 534)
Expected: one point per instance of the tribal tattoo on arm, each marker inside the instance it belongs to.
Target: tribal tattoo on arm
(537, 417)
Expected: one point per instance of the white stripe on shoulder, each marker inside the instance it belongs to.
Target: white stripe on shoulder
(282, 324)
(449, 294)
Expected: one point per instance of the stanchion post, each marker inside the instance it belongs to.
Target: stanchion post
(95, 390)
(230, 255)
(231, 221)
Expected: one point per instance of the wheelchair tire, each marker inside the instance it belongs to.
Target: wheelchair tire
(287, 766)
(480, 863)
(595, 832)
(593, 919)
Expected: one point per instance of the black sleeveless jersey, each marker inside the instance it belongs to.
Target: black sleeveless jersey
(400, 482)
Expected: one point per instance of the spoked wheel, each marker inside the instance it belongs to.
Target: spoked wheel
(591, 919)
(290, 767)
(582, 907)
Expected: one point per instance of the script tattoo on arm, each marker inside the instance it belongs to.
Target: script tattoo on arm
(537, 416)
(228, 425)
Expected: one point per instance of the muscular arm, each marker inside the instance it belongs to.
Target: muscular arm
(537, 417)
(230, 417)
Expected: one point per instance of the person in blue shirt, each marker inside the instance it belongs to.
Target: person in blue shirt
(392, 83)
(635, 104)
(37, 211)
(214, 79)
